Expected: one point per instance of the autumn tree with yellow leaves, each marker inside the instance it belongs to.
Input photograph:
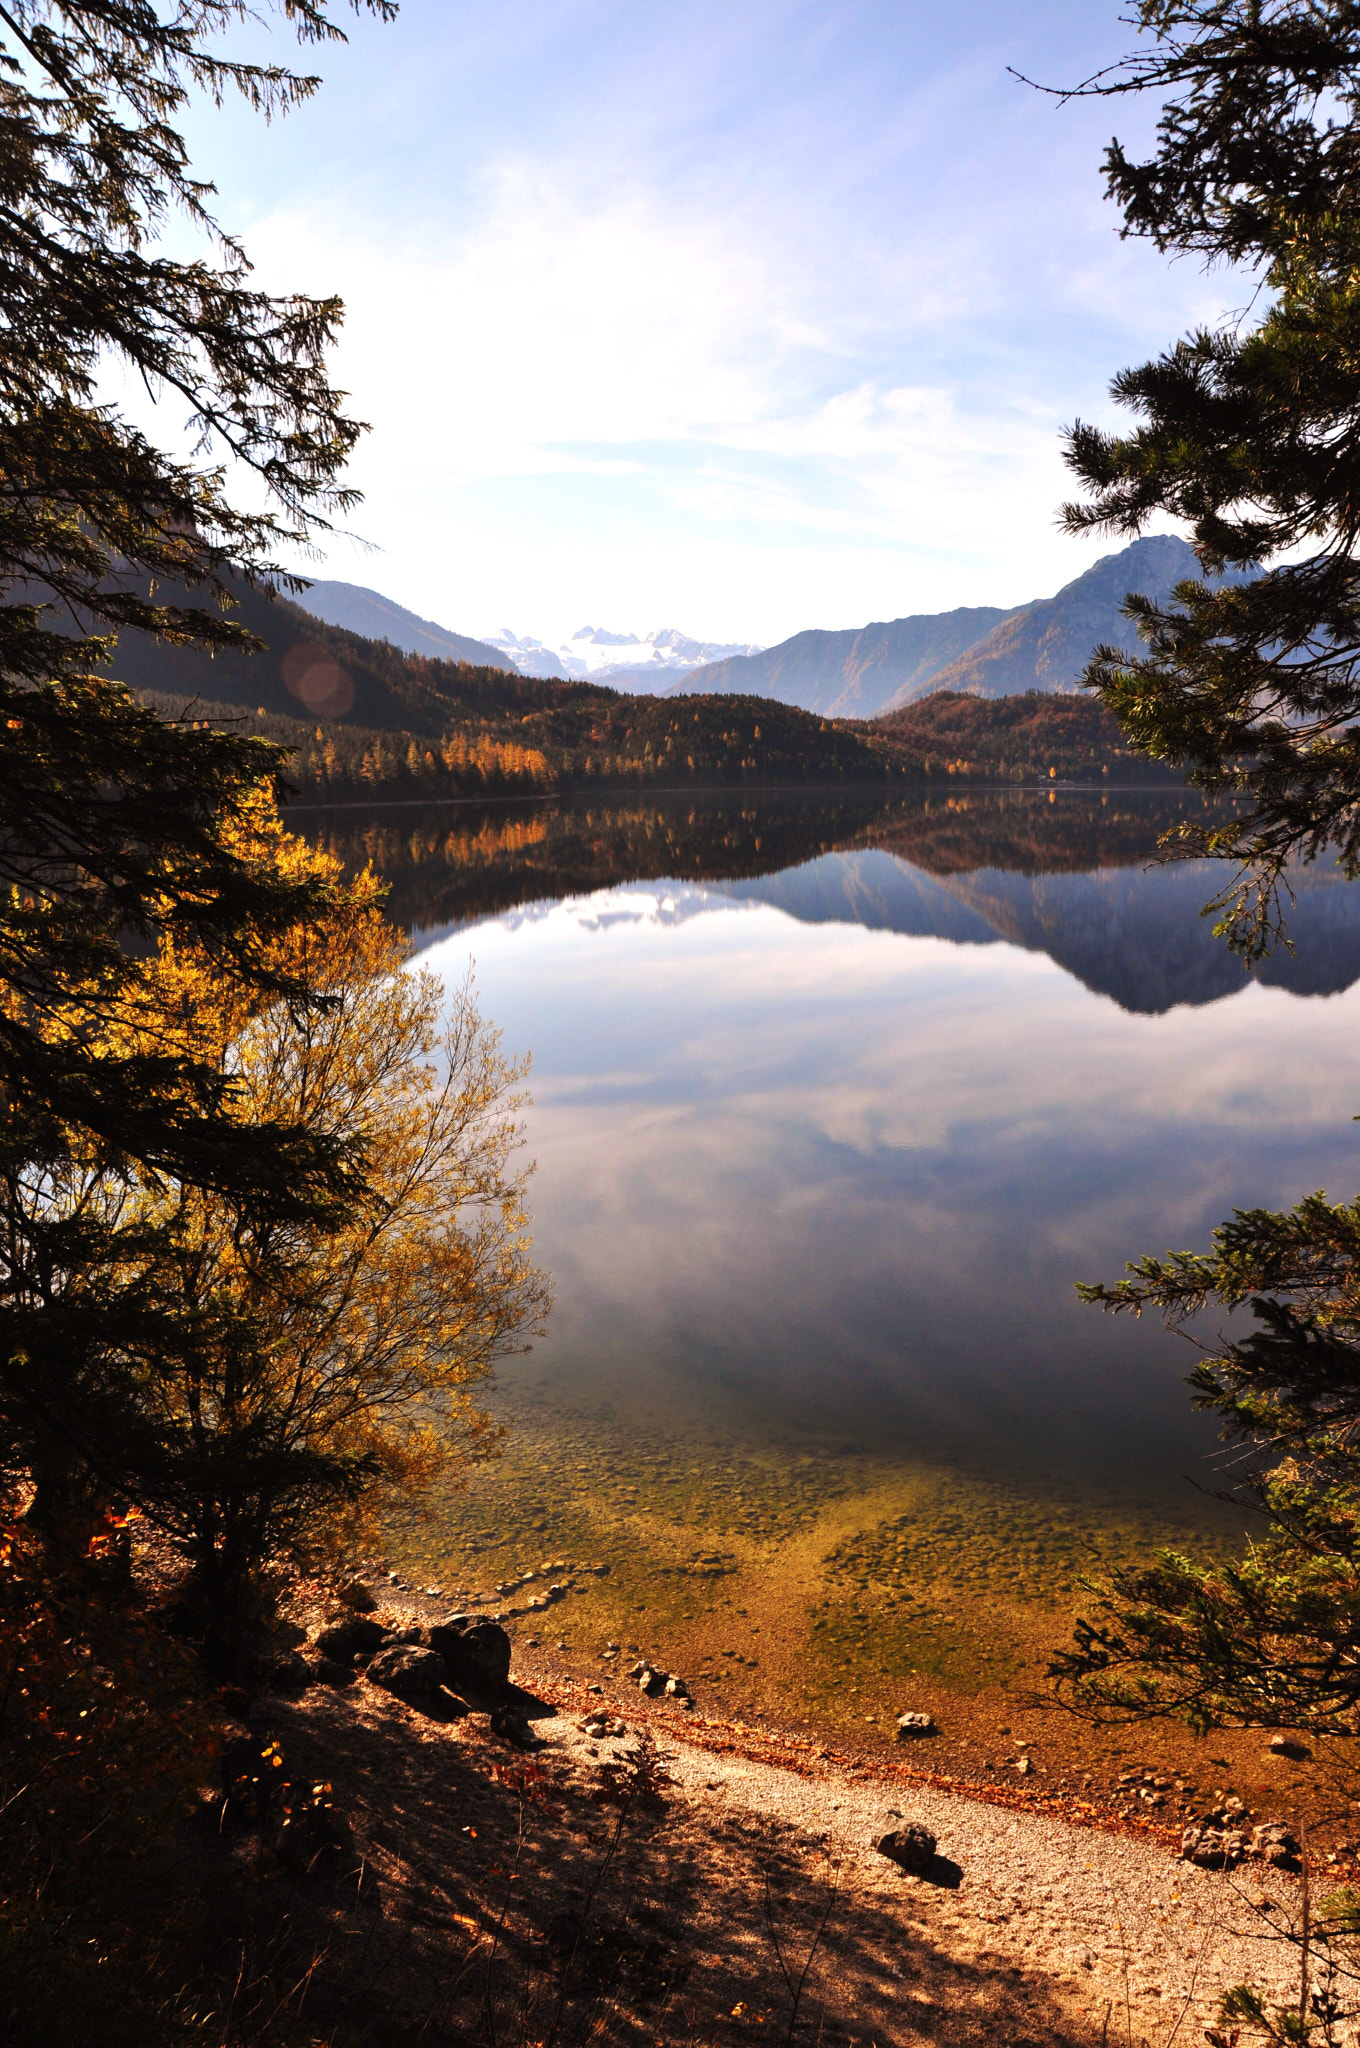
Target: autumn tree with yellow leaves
(315, 1368)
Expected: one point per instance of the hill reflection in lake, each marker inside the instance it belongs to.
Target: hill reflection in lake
(1065, 874)
(834, 1103)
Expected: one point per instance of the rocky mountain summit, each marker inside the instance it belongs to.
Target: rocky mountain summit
(1046, 646)
(867, 670)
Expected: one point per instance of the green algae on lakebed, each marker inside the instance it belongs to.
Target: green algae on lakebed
(819, 1587)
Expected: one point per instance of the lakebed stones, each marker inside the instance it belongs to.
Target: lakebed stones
(601, 1726)
(408, 1671)
(477, 1653)
(911, 1727)
(357, 1597)
(652, 1681)
(1216, 1844)
(911, 1848)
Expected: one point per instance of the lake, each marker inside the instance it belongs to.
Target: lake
(834, 1100)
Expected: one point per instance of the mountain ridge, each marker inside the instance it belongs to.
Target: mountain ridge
(870, 671)
(1046, 645)
(850, 673)
(353, 608)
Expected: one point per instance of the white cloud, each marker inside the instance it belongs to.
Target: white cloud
(701, 394)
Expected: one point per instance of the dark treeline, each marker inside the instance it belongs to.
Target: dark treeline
(582, 738)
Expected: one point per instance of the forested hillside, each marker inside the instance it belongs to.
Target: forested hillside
(366, 719)
(580, 736)
(1034, 736)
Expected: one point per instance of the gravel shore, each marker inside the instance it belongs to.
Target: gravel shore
(1130, 1937)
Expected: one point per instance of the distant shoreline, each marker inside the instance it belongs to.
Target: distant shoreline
(742, 790)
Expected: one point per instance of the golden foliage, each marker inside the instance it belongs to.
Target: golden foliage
(368, 1339)
(315, 1347)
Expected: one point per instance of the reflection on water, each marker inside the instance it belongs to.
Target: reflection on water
(1065, 875)
(833, 1103)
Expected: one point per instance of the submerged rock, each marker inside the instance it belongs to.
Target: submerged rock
(910, 1726)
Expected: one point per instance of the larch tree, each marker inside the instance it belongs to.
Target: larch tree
(313, 1370)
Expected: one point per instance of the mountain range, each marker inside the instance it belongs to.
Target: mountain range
(868, 670)
(623, 660)
(863, 672)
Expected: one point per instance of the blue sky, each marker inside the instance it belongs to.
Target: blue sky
(736, 317)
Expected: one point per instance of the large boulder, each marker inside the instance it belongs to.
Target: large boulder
(408, 1671)
(911, 1848)
(283, 1672)
(477, 1653)
(349, 1637)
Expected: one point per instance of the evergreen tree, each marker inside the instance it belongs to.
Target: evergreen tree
(1250, 433)
(1274, 1638)
(115, 826)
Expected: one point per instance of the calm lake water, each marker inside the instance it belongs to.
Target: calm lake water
(823, 1147)
(835, 1098)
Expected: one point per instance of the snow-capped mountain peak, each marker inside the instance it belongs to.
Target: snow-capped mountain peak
(598, 636)
(622, 660)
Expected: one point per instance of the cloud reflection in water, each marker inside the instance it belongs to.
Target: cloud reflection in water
(838, 1180)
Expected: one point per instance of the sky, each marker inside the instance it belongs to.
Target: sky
(739, 316)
